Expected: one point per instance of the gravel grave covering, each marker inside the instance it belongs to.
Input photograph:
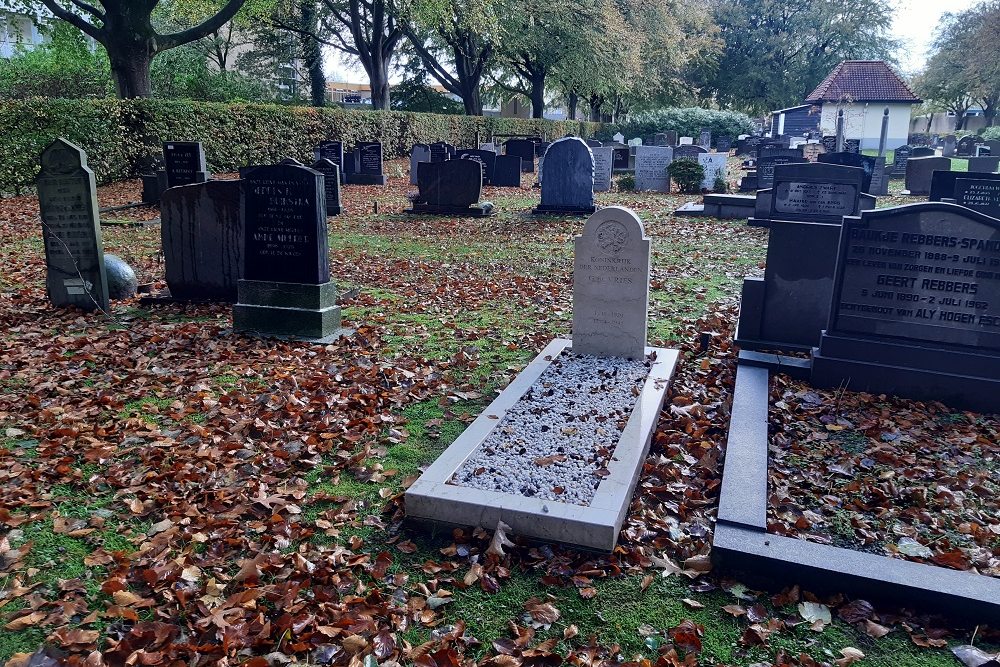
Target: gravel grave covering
(557, 441)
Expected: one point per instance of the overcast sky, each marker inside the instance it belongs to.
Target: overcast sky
(915, 24)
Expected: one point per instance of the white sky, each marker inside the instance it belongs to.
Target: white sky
(915, 25)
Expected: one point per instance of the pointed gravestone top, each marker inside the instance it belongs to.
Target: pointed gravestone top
(611, 285)
(71, 229)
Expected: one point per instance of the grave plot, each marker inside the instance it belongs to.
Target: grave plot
(557, 455)
(913, 315)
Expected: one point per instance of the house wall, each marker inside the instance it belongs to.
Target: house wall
(942, 123)
(864, 121)
(17, 31)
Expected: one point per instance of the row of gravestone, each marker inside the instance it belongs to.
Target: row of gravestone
(770, 155)
(902, 300)
(184, 163)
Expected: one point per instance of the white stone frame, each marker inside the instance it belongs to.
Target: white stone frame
(595, 526)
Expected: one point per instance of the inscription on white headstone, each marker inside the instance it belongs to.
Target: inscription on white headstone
(714, 165)
(611, 285)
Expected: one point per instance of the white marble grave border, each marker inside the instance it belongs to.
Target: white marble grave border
(595, 526)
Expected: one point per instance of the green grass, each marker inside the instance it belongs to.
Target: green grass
(140, 409)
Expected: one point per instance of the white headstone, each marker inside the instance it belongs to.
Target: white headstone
(618, 138)
(651, 164)
(635, 142)
(489, 147)
(604, 159)
(611, 285)
(686, 141)
(541, 161)
(714, 165)
(743, 136)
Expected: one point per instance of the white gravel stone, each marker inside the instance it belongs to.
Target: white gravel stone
(556, 442)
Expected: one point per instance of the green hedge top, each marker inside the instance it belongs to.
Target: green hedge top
(118, 134)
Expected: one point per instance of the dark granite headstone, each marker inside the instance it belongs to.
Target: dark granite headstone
(919, 171)
(451, 187)
(367, 164)
(922, 151)
(865, 162)
(441, 151)
(567, 179)
(943, 182)
(184, 162)
(71, 229)
(987, 163)
(982, 196)
(705, 139)
(994, 146)
(766, 166)
(774, 150)
(418, 153)
(332, 151)
(789, 307)
(899, 158)
(524, 149)
(594, 143)
(967, 146)
(286, 289)
(948, 146)
(916, 307)
(671, 137)
(620, 159)
(724, 144)
(284, 211)
(507, 171)
(331, 185)
(852, 145)
(660, 139)
(689, 151)
(829, 143)
(202, 238)
(487, 159)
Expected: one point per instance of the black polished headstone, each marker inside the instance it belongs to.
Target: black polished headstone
(441, 151)
(845, 159)
(525, 150)
(366, 166)
(487, 159)
(899, 158)
(451, 187)
(184, 162)
(284, 223)
(723, 144)
(689, 151)
(816, 192)
(967, 146)
(919, 171)
(567, 178)
(620, 159)
(766, 166)
(916, 307)
(71, 229)
(331, 185)
(332, 151)
(922, 151)
(979, 195)
(943, 182)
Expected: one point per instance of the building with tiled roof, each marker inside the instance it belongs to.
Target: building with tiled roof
(863, 90)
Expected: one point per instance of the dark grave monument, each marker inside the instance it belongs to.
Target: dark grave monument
(452, 187)
(154, 178)
(660, 139)
(922, 151)
(418, 153)
(789, 307)
(899, 158)
(332, 151)
(567, 179)
(967, 146)
(671, 137)
(979, 195)
(916, 307)
(487, 159)
(766, 166)
(994, 146)
(829, 143)
(441, 151)
(705, 139)
(943, 182)
(286, 289)
(987, 163)
(365, 164)
(331, 185)
(875, 182)
(523, 148)
(620, 159)
(184, 163)
(507, 171)
(772, 150)
(689, 151)
(594, 143)
(724, 144)
(919, 171)
(202, 238)
(71, 229)
(852, 145)
(540, 148)
(948, 146)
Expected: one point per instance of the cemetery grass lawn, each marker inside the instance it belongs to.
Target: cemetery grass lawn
(159, 473)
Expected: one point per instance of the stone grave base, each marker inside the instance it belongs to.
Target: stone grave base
(484, 210)
(334, 210)
(562, 210)
(741, 543)
(594, 526)
(963, 378)
(164, 297)
(366, 179)
(721, 206)
(288, 310)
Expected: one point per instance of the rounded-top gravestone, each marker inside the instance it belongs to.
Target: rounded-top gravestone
(122, 281)
(568, 178)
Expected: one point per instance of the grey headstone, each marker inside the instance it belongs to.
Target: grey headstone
(71, 229)
(714, 165)
(331, 184)
(919, 171)
(611, 285)
(651, 164)
(603, 167)
(988, 163)
(419, 153)
(202, 238)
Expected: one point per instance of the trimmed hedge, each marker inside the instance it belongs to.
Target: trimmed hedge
(686, 122)
(117, 134)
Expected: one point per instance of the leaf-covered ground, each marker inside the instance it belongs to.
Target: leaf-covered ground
(171, 493)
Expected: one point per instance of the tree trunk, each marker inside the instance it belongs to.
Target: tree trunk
(130, 68)
(538, 95)
(572, 101)
(379, 80)
(312, 54)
